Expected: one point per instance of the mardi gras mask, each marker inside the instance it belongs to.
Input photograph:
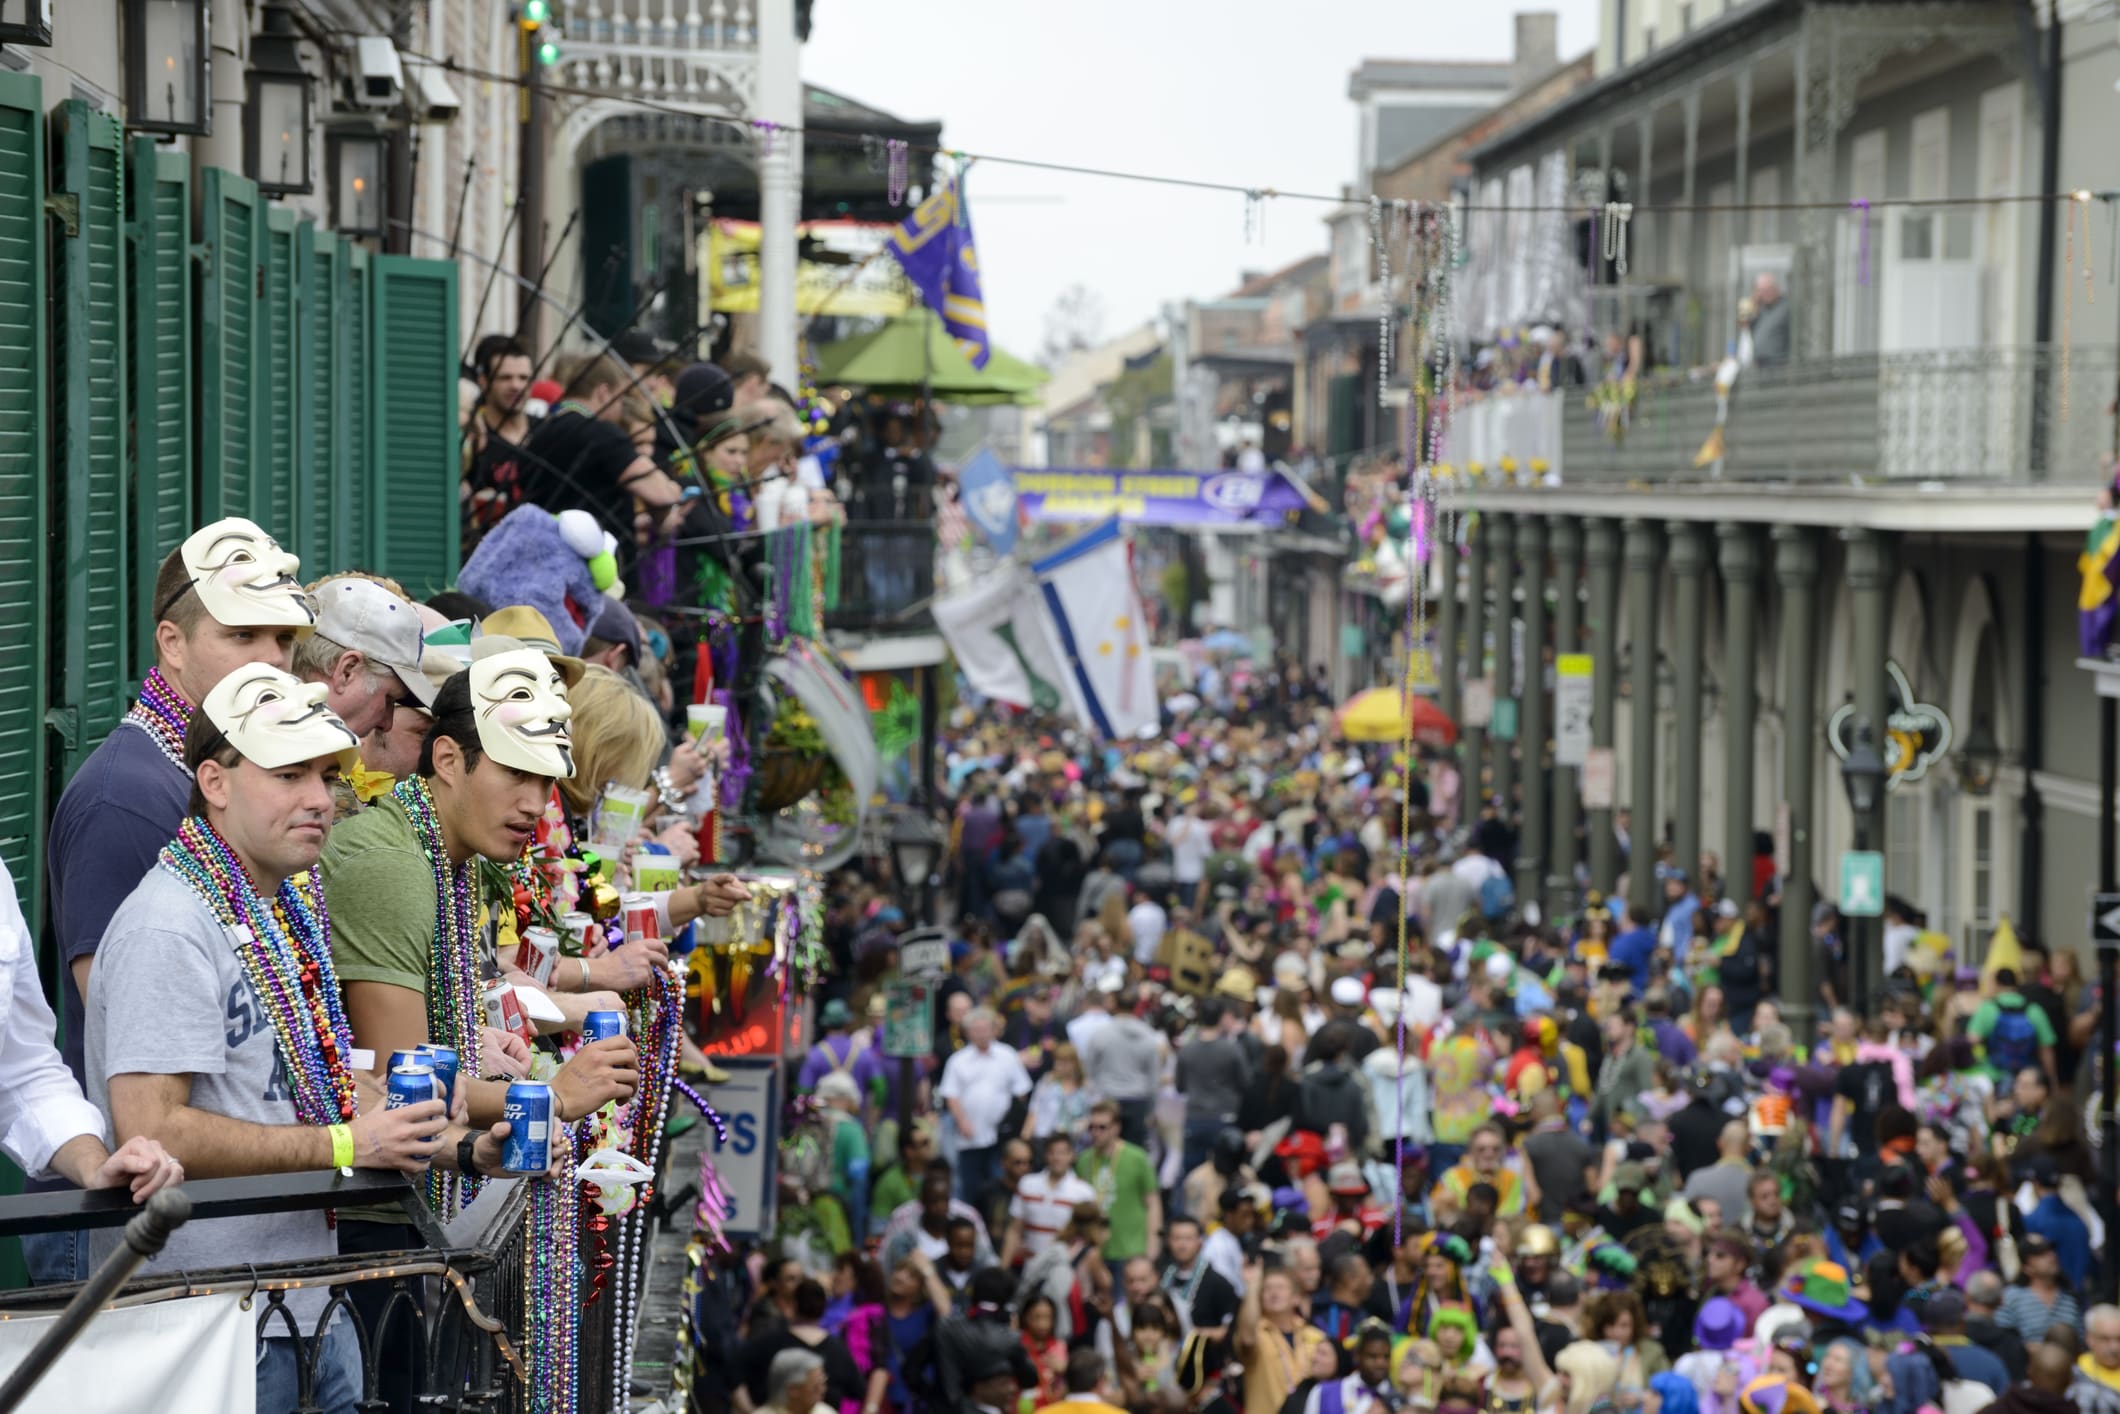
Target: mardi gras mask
(244, 578)
(520, 701)
(275, 719)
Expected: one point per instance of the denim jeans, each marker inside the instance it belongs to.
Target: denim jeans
(976, 1171)
(338, 1375)
(54, 1258)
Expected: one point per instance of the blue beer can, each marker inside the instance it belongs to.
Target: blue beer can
(528, 1110)
(444, 1061)
(411, 1085)
(417, 1055)
(603, 1025)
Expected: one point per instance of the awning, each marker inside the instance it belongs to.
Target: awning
(913, 353)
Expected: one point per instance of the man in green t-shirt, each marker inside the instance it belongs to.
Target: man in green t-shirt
(2013, 1034)
(1125, 1182)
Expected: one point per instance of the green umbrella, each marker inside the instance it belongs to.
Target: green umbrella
(914, 352)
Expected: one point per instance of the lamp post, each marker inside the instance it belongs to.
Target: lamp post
(356, 158)
(276, 120)
(167, 67)
(916, 848)
(1862, 773)
(1979, 759)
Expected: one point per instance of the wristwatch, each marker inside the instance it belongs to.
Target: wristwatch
(466, 1156)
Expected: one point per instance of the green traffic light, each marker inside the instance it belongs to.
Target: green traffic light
(535, 13)
(548, 53)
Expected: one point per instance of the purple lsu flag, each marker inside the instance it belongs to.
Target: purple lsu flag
(934, 247)
(1156, 497)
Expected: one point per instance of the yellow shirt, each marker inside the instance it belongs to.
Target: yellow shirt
(1082, 1404)
(1277, 1366)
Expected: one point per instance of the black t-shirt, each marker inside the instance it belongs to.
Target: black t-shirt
(1694, 1132)
(1869, 1086)
(1618, 1225)
(493, 479)
(1214, 1300)
(1559, 1159)
(574, 462)
(842, 1378)
(1124, 824)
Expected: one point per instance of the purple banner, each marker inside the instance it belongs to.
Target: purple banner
(1155, 497)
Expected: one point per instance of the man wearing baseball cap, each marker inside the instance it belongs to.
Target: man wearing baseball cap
(225, 598)
(366, 650)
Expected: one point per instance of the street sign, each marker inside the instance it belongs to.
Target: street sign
(908, 1020)
(749, 1103)
(1574, 699)
(924, 954)
(1477, 708)
(1862, 883)
(1505, 719)
(2105, 922)
(1600, 778)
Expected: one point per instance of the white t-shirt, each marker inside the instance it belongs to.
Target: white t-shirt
(1148, 920)
(1190, 843)
(1043, 1205)
(1084, 1026)
(985, 1083)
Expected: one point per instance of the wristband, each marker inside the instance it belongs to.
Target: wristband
(341, 1146)
(585, 973)
(1503, 1277)
(467, 1155)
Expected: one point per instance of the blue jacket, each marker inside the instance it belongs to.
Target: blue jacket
(1631, 950)
(2055, 1221)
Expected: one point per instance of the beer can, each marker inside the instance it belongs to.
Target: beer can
(504, 1012)
(410, 1085)
(414, 1056)
(528, 1110)
(639, 913)
(603, 1025)
(446, 1065)
(582, 928)
(543, 956)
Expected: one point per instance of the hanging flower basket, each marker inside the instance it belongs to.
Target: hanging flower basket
(784, 777)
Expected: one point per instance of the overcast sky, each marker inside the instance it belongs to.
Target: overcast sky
(1246, 91)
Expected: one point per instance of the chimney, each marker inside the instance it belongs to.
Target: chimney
(1537, 47)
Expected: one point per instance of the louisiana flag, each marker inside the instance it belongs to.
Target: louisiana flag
(934, 246)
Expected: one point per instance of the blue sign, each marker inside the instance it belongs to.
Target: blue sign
(747, 1162)
(989, 496)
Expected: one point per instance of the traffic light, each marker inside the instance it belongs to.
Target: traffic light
(533, 14)
(548, 53)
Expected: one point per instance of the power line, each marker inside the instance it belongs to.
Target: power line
(844, 138)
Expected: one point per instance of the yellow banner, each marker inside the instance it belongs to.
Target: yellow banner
(860, 281)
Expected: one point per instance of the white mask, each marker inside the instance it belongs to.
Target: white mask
(244, 578)
(520, 701)
(275, 719)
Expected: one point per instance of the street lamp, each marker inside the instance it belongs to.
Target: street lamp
(1862, 773)
(356, 160)
(1979, 760)
(26, 22)
(167, 79)
(276, 119)
(916, 848)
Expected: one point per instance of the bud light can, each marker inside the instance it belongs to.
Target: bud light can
(528, 1110)
(410, 1085)
(603, 1025)
(415, 1056)
(445, 1063)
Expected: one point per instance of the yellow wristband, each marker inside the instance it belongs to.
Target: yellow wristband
(342, 1146)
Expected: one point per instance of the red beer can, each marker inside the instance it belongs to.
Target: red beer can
(639, 913)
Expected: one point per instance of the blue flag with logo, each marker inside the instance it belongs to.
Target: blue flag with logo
(989, 496)
(934, 246)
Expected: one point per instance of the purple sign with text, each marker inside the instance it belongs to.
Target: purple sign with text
(1156, 497)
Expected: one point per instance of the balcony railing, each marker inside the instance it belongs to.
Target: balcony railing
(886, 567)
(2004, 416)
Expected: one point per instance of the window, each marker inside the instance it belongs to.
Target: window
(1685, 19)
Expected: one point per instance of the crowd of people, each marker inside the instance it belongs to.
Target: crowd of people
(1256, 1088)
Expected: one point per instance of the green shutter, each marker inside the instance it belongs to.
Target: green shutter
(274, 499)
(23, 613)
(158, 196)
(228, 316)
(415, 355)
(319, 401)
(93, 599)
(355, 537)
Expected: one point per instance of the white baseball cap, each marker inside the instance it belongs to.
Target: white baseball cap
(364, 616)
(1347, 991)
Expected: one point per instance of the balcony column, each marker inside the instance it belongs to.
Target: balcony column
(1796, 571)
(1501, 562)
(1740, 563)
(1689, 563)
(1741, 224)
(1601, 554)
(779, 182)
(1561, 852)
(1442, 542)
(1681, 257)
(1531, 721)
(1474, 739)
(1644, 562)
(1869, 572)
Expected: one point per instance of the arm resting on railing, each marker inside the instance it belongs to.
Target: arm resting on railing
(215, 1146)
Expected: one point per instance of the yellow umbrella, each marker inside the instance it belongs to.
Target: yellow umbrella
(1375, 715)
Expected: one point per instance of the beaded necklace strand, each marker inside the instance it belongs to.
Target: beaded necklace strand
(284, 947)
(455, 1008)
(163, 714)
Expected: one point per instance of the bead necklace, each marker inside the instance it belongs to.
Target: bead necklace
(284, 947)
(658, 1011)
(552, 1295)
(163, 714)
(455, 1008)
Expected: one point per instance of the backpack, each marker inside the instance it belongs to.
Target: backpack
(2013, 1044)
(1497, 896)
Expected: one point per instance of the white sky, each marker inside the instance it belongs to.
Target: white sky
(1252, 92)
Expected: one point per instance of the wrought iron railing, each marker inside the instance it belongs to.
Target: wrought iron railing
(455, 1309)
(886, 574)
(2003, 416)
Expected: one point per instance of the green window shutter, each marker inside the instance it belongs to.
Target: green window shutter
(354, 488)
(158, 197)
(274, 499)
(415, 352)
(22, 487)
(90, 346)
(319, 254)
(228, 317)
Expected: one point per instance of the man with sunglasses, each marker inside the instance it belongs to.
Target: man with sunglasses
(225, 598)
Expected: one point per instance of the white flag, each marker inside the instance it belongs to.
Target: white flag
(1098, 634)
(995, 629)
